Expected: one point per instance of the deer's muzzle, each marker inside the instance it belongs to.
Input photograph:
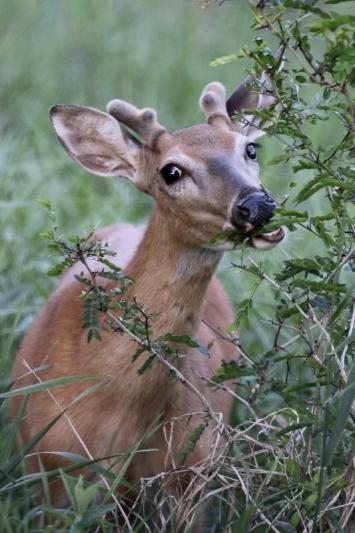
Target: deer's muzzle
(254, 210)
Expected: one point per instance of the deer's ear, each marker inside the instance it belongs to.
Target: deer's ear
(246, 98)
(95, 140)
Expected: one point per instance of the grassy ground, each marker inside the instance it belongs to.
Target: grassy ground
(154, 53)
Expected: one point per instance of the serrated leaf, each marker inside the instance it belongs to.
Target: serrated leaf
(320, 183)
(193, 439)
(320, 286)
(146, 365)
(231, 370)
(191, 342)
(93, 334)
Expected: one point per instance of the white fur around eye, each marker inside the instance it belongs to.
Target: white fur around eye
(180, 186)
(185, 189)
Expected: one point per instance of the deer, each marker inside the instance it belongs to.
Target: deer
(205, 181)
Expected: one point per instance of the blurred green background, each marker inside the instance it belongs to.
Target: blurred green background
(153, 53)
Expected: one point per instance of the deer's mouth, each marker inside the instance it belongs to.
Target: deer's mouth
(231, 239)
(265, 241)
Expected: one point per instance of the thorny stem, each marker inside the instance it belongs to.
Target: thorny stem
(278, 286)
(230, 339)
(172, 369)
(145, 343)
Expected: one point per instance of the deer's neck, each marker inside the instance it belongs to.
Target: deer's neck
(171, 278)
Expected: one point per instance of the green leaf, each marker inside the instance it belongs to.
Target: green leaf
(93, 334)
(242, 524)
(295, 519)
(193, 439)
(83, 496)
(288, 218)
(46, 235)
(147, 364)
(337, 1)
(293, 469)
(297, 266)
(224, 60)
(303, 215)
(320, 183)
(350, 339)
(69, 485)
(320, 286)
(60, 267)
(300, 78)
(45, 203)
(310, 501)
(342, 415)
(231, 370)
(17, 458)
(299, 387)
(49, 384)
(293, 427)
(191, 342)
(95, 512)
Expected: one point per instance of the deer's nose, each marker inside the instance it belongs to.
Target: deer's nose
(256, 209)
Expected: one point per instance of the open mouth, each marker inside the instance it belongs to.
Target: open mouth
(267, 240)
(272, 236)
(232, 239)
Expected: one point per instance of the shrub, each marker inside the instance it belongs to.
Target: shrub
(287, 462)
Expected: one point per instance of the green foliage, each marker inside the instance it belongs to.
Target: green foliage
(193, 439)
(287, 465)
(309, 367)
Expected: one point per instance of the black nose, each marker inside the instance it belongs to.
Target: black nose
(256, 209)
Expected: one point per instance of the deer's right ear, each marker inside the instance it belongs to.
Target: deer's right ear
(245, 98)
(95, 140)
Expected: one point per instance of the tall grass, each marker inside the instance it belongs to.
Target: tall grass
(156, 54)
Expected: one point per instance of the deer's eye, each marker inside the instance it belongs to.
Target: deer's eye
(171, 174)
(251, 151)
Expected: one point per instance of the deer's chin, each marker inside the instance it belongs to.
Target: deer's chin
(267, 241)
(221, 246)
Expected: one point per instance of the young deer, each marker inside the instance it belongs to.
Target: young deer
(204, 180)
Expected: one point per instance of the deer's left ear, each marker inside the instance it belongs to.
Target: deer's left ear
(95, 140)
(245, 98)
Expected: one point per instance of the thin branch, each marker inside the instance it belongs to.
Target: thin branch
(81, 442)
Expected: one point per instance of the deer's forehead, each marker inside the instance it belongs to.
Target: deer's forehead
(201, 143)
(205, 146)
(204, 137)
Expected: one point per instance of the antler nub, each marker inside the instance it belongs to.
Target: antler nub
(213, 103)
(142, 121)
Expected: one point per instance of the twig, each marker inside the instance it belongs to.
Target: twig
(82, 443)
(214, 416)
(350, 331)
(230, 339)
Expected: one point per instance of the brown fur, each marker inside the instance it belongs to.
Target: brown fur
(111, 420)
(173, 266)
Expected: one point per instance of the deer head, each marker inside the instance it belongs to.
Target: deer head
(204, 178)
